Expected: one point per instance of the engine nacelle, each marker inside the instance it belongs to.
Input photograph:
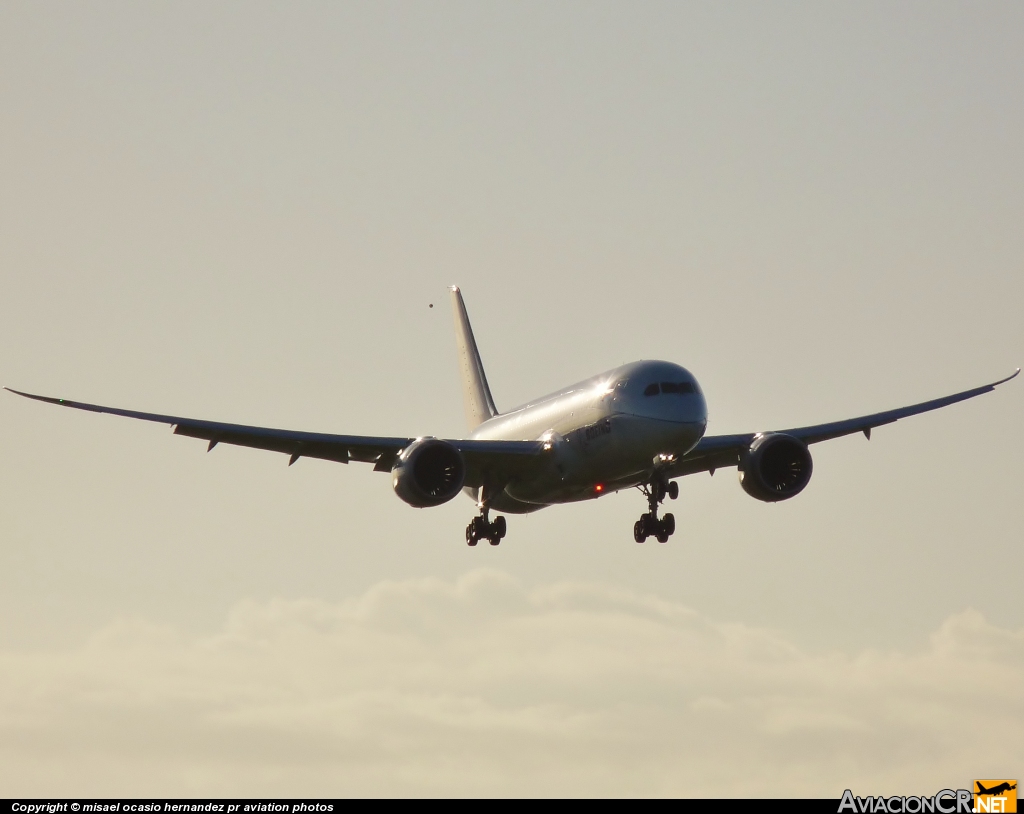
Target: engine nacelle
(776, 467)
(428, 472)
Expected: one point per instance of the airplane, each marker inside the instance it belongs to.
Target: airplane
(996, 790)
(641, 425)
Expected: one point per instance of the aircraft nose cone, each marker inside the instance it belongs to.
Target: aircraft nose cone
(678, 411)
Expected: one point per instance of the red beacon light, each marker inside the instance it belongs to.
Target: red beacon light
(599, 488)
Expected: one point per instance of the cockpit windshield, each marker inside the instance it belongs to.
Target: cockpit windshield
(670, 388)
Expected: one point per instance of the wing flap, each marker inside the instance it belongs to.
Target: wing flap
(711, 453)
(284, 443)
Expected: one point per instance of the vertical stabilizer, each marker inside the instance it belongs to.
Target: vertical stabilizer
(475, 392)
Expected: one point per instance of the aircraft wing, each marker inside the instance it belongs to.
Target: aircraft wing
(491, 457)
(719, 451)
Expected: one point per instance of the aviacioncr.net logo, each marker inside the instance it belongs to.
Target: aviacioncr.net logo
(946, 801)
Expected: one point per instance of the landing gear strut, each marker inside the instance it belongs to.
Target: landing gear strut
(649, 525)
(480, 528)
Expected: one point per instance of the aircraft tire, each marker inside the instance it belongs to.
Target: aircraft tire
(668, 523)
(500, 527)
(639, 532)
(673, 491)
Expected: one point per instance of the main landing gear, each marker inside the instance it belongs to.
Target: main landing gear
(480, 528)
(649, 525)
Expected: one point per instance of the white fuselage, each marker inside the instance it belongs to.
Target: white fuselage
(604, 432)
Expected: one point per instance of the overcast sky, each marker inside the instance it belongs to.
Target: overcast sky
(242, 212)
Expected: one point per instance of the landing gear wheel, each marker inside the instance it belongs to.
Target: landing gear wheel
(649, 525)
(476, 531)
(480, 529)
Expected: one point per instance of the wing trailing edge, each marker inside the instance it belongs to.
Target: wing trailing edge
(720, 451)
(482, 457)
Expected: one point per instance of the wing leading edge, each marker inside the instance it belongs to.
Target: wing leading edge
(482, 457)
(720, 451)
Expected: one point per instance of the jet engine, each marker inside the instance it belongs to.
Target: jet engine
(775, 467)
(428, 472)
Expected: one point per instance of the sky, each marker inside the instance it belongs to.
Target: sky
(244, 211)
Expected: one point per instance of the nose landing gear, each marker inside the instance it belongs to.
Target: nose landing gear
(480, 528)
(649, 525)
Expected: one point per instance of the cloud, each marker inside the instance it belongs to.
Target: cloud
(483, 686)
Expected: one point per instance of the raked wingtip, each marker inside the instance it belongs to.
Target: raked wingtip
(1013, 375)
